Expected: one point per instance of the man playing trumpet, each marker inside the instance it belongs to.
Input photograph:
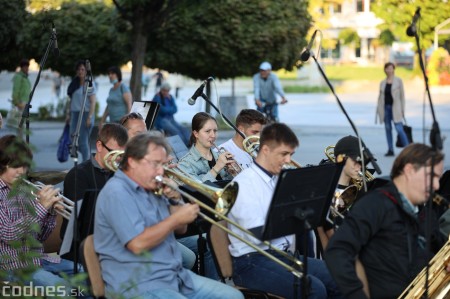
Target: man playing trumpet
(134, 230)
(20, 215)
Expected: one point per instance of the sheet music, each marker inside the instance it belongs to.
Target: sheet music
(141, 108)
(68, 236)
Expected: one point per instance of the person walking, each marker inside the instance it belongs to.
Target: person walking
(76, 93)
(391, 107)
(266, 86)
(20, 94)
(119, 99)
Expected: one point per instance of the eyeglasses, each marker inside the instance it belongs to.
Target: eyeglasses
(105, 146)
(154, 164)
(132, 115)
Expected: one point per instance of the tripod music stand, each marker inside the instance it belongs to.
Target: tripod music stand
(300, 203)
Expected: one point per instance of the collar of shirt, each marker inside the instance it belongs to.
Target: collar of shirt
(264, 170)
(408, 206)
(96, 165)
(267, 177)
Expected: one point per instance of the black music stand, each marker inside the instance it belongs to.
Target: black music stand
(299, 204)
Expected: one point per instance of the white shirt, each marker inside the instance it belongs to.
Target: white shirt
(250, 209)
(240, 156)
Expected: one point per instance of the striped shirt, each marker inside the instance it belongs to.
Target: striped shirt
(18, 213)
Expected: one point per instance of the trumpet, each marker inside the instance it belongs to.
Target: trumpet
(251, 146)
(233, 168)
(224, 200)
(66, 203)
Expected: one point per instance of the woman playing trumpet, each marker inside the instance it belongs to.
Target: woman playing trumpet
(20, 214)
(201, 162)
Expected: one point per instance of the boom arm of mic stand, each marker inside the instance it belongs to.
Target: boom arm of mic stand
(367, 151)
(205, 97)
(26, 110)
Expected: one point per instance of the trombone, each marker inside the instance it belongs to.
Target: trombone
(224, 200)
(66, 203)
(251, 146)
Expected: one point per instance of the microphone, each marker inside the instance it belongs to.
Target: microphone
(55, 45)
(307, 52)
(411, 30)
(198, 92)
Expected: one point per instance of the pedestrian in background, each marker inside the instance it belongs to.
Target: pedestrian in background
(159, 76)
(391, 107)
(266, 86)
(76, 93)
(20, 94)
(119, 98)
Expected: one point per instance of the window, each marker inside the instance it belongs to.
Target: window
(359, 5)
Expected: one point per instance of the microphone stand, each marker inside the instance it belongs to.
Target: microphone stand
(26, 111)
(365, 153)
(205, 97)
(436, 144)
(74, 155)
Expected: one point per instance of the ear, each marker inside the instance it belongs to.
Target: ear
(265, 149)
(132, 163)
(98, 146)
(195, 134)
(409, 169)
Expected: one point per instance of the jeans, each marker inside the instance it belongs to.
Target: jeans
(188, 256)
(270, 110)
(210, 266)
(84, 134)
(51, 275)
(204, 288)
(388, 119)
(171, 127)
(256, 271)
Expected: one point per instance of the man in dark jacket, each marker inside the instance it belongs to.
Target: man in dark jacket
(384, 230)
(91, 176)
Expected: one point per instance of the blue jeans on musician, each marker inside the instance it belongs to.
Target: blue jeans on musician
(270, 110)
(204, 288)
(84, 134)
(388, 120)
(210, 267)
(51, 275)
(258, 272)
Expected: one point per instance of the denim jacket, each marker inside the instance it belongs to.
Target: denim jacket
(197, 167)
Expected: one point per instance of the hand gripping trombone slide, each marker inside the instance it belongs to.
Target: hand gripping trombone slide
(223, 199)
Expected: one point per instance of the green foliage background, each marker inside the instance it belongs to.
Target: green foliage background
(85, 31)
(12, 14)
(229, 38)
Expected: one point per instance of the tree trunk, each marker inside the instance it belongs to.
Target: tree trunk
(139, 44)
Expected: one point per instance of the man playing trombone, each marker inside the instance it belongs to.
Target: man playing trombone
(256, 187)
(21, 211)
(134, 230)
(250, 122)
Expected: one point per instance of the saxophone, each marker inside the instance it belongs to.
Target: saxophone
(438, 278)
